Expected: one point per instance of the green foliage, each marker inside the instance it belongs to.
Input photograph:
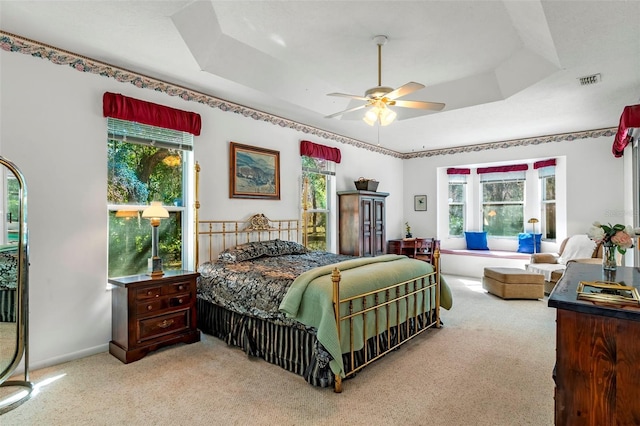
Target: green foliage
(137, 175)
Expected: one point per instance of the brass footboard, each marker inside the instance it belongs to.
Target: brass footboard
(420, 298)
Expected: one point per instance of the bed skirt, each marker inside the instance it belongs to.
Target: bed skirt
(295, 349)
(8, 305)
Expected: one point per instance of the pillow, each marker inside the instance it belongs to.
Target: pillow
(525, 243)
(476, 240)
(577, 247)
(257, 249)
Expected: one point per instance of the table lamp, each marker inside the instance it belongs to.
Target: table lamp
(533, 222)
(154, 213)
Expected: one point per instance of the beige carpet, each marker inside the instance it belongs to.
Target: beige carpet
(490, 364)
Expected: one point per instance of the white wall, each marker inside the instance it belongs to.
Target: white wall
(51, 126)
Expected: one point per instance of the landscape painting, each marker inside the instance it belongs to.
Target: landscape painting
(254, 173)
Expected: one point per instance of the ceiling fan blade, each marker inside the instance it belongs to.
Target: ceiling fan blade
(433, 106)
(346, 111)
(344, 95)
(404, 90)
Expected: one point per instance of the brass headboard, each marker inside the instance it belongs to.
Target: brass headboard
(218, 235)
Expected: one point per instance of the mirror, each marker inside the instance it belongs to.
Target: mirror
(14, 262)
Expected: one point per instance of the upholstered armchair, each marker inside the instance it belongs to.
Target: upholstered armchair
(577, 248)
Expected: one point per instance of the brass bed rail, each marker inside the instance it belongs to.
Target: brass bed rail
(426, 315)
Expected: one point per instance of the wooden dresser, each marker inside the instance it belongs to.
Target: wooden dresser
(362, 227)
(149, 313)
(597, 371)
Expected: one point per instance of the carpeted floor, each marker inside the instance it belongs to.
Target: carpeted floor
(490, 364)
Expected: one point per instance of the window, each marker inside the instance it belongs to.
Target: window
(548, 202)
(503, 203)
(457, 199)
(146, 163)
(318, 173)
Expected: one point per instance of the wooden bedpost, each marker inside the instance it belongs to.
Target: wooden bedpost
(335, 279)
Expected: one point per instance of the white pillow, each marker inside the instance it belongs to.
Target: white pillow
(577, 247)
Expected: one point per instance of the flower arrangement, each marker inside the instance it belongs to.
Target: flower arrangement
(408, 229)
(618, 236)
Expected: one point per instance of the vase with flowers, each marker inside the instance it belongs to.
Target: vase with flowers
(614, 239)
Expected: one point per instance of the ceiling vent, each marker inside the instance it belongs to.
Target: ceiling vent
(590, 79)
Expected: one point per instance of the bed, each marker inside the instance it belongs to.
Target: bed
(264, 292)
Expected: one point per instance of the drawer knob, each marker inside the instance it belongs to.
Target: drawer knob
(149, 307)
(180, 301)
(149, 292)
(165, 323)
(180, 287)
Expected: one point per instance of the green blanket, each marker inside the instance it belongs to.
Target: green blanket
(309, 299)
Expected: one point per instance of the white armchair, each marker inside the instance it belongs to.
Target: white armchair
(577, 248)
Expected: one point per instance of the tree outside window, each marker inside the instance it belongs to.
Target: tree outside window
(503, 207)
(317, 173)
(457, 199)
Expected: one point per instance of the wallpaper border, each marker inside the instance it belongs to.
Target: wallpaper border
(14, 43)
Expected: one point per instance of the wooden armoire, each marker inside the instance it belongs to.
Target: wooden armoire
(362, 228)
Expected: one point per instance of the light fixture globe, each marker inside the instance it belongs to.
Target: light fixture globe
(154, 213)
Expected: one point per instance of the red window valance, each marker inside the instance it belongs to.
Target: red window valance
(544, 163)
(315, 150)
(630, 118)
(503, 169)
(115, 105)
(455, 171)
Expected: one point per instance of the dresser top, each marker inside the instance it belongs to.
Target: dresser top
(565, 294)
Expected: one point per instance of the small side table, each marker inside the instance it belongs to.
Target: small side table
(150, 313)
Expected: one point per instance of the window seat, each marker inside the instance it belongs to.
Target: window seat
(471, 263)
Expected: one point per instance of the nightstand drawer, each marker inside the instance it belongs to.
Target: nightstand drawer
(148, 293)
(149, 306)
(183, 299)
(151, 328)
(179, 287)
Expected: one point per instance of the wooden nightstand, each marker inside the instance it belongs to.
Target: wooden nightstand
(149, 313)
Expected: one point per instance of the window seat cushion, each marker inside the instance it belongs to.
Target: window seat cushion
(487, 253)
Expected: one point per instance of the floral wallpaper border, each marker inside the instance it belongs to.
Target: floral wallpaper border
(13, 43)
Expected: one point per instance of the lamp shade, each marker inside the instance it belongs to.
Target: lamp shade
(155, 211)
(533, 220)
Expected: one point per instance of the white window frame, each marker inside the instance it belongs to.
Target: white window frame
(127, 131)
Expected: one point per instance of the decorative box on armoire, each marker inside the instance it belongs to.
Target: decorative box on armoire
(362, 228)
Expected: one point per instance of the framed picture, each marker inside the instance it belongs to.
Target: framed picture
(420, 203)
(253, 172)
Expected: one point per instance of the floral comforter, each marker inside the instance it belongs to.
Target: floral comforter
(256, 287)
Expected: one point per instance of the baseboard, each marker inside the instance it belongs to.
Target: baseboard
(64, 358)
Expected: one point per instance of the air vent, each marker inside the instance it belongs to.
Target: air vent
(589, 79)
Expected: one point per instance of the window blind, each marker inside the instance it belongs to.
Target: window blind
(144, 134)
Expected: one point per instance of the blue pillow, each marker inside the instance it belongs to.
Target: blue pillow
(476, 240)
(525, 243)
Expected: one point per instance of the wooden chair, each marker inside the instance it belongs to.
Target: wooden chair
(424, 248)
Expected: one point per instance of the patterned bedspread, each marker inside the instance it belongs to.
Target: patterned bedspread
(256, 287)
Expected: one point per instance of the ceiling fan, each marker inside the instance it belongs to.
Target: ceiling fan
(378, 99)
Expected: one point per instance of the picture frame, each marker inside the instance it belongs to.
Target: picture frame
(254, 172)
(420, 203)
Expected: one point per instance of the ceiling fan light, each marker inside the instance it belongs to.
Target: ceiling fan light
(387, 116)
(371, 117)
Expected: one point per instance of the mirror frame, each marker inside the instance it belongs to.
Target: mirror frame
(22, 304)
